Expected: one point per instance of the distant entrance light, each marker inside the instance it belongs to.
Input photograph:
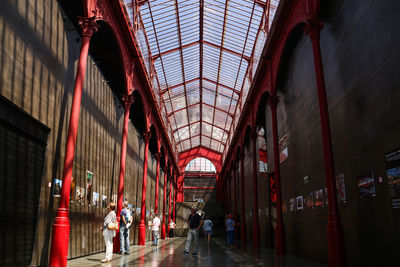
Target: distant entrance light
(200, 165)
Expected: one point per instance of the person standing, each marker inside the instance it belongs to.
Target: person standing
(172, 226)
(230, 231)
(207, 228)
(195, 222)
(108, 234)
(155, 228)
(124, 230)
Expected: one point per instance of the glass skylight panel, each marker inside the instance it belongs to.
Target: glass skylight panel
(193, 97)
(206, 129)
(194, 113)
(222, 102)
(205, 141)
(182, 133)
(195, 128)
(178, 71)
(220, 117)
(186, 144)
(207, 114)
(196, 141)
(191, 62)
(181, 118)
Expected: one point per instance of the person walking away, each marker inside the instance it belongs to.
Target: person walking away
(195, 222)
(155, 228)
(124, 230)
(230, 231)
(207, 228)
(172, 226)
(109, 221)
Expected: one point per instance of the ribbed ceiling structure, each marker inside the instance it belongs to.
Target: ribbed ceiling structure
(201, 56)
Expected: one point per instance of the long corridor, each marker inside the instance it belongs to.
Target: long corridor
(216, 254)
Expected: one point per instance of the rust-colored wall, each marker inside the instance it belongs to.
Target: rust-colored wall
(39, 53)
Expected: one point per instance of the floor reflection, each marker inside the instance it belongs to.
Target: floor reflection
(168, 254)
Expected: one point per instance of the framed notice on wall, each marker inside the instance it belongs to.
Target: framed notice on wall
(392, 160)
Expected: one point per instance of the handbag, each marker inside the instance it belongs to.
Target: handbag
(112, 226)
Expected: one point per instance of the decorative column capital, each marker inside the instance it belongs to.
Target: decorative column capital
(165, 169)
(127, 101)
(254, 135)
(313, 28)
(273, 101)
(88, 25)
(147, 136)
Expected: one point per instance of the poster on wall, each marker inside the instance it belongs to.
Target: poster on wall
(95, 199)
(104, 201)
(319, 198)
(392, 160)
(57, 187)
(366, 185)
(89, 181)
(292, 204)
(326, 196)
(283, 149)
(299, 201)
(310, 200)
(80, 194)
(73, 190)
(340, 188)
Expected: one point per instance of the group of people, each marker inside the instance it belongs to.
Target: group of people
(110, 225)
(195, 222)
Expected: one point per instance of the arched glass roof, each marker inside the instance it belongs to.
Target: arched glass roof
(200, 165)
(201, 56)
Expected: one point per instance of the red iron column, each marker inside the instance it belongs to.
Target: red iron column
(158, 156)
(336, 255)
(127, 101)
(235, 199)
(243, 236)
(165, 169)
(170, 198)
(280, 230)
(174, 207)
(142, 226)
(60, 236)
(255, 197)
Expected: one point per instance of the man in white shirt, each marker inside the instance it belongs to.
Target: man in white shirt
(155, 228)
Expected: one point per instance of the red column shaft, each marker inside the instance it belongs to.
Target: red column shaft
(142, 226)
(174, 202)
(127, 99)
(169, 200)
(228, 184)
(336, 256)
(158, 156)
(60, 236)
(279, 231)
(243, 236)
(255, 198)
(235, 200)
(163, 229)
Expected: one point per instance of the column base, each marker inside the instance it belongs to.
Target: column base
(142, 233)
(60, 239)
(279, 240)
(336, 255)
(163, 231)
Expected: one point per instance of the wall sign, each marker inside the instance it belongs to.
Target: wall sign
(392, 160)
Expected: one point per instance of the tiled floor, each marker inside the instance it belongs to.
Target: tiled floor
(216, 254)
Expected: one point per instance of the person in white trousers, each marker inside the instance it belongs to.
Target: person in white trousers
(109, 234)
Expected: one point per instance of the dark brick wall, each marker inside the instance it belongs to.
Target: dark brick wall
(39, 50)
(360, 50)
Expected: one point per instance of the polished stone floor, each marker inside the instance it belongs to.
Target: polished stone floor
(216, 254)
